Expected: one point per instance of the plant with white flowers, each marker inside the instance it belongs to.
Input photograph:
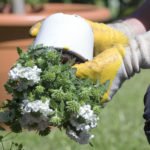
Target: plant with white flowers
(46, 93)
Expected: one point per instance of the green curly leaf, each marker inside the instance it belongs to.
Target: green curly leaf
(55, 120)
(72, 106)
(19, 50)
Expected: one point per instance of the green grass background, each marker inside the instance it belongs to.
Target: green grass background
(120, 127)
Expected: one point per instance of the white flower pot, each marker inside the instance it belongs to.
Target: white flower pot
(69, 32)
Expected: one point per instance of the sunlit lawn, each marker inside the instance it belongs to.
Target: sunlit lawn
(120, 126)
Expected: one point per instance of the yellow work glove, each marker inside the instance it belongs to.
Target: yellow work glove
(34, 30)
(117, 64)
(106, 37)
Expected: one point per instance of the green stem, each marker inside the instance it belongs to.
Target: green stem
(2, 145)
(13, 137)
(11, 146)
(7, 134)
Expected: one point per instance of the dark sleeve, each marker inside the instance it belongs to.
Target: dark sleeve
(146, 114)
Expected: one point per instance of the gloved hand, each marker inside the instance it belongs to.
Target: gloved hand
(118, 63)
(115, 46)
(146, 114)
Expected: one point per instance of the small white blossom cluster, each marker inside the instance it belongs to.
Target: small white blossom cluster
(30, 73)
(36, 106)
(89, 116)
(28, 119)
(89, 121)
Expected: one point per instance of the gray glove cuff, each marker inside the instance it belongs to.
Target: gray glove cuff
(137, 55)
(131, 27)
(126, 29)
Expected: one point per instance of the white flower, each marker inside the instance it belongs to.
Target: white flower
(79, 126)
(36, 106)
(82, 137)
(89, 119)
(86, 112)
(30, 73)
(28, 119)
(82, 123)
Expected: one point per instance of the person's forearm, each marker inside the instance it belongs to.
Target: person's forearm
(140, 19)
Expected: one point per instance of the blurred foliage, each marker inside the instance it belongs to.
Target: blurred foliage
(27, 1)
(122, 8)
(35, 2)
(118, 8)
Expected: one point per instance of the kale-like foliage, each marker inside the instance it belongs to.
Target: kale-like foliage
(46, 92)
